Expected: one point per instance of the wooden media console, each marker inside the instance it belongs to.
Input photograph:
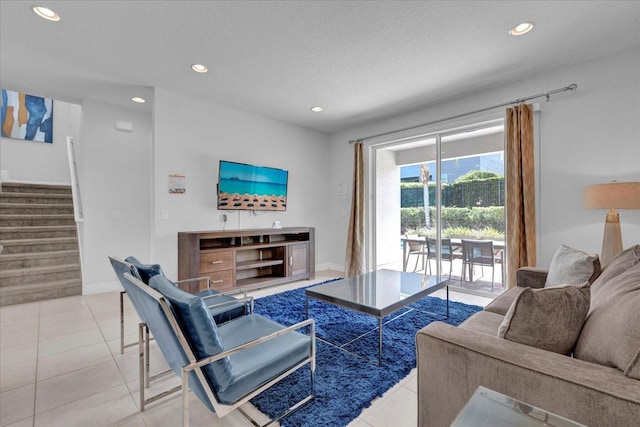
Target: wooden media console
(248, 259)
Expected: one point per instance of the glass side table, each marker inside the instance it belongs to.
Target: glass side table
(490, 408)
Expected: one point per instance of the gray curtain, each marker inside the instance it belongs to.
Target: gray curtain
(355, 256)
(520, 197)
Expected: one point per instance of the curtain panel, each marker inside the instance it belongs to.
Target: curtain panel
(520, 194)
(355, 256)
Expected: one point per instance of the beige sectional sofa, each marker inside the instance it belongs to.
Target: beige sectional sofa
(513, 348)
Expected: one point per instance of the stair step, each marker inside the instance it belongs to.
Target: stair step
(17, 233)
(40, 291)
(39, 245)
(35, 220)
(52, 199)
(27, 276)
(23, 187)
(35, 209)
(38, 259)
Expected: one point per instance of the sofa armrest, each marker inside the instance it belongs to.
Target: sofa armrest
(452, 363)
(531, 277)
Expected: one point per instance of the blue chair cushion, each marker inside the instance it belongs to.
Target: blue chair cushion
(198, 326)
(144, 271)
(258, 365)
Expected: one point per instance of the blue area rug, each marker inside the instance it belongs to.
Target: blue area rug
(346, 384)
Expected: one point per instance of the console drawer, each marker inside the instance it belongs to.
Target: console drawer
(216, 261)
(221, 280)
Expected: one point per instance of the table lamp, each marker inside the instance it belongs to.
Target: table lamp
(615, 195)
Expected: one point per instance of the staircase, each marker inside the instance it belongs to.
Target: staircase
(40, 258)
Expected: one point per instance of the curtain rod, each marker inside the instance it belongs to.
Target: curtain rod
(572, 86)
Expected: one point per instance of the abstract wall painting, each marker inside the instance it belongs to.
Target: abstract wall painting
(26, 116)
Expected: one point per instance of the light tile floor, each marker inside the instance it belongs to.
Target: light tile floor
(61, 366)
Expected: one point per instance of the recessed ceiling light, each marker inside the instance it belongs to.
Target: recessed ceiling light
(199, 68)
(316, 109)
(521, 29)
(138, 100)
(46, 13)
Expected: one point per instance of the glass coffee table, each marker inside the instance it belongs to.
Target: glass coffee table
(377, 293)
(487, 407)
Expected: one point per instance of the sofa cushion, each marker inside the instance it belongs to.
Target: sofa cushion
(618, 265)
(611, 333)
(503, 302)
(484, 322)
(548, 318)
(572, 267)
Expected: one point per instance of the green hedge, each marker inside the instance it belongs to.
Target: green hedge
(476, 218)
(479, 192)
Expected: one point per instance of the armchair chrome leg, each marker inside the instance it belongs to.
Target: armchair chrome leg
(143, 369)
(146, 357)
(185, 398)
(141, 374)
(122, 322)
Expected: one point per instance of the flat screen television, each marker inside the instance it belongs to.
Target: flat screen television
(248, 187)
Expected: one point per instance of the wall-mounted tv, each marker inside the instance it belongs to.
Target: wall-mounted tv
(248, 187)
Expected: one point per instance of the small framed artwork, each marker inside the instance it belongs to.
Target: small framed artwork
(26, 116)
(177, 183)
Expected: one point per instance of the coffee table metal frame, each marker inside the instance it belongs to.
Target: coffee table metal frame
(417, 286)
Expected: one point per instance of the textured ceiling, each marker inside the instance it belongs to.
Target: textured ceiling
(360, 60)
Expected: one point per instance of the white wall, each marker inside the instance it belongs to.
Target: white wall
(114, 170)
(588, 136)
(192, 136)
(38, 161)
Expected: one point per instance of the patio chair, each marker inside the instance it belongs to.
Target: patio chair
(418, 248)
(446, 252)
(224, 365)
(479, 252)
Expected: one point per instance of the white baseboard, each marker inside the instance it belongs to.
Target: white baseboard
(329, 266)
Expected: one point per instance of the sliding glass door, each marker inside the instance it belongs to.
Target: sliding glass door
(439, 206)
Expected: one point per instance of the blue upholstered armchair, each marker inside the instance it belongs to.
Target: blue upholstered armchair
(223, 306)
(226, 364)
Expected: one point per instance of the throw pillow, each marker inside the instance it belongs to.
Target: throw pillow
(572, 267)
(617, 265)
(548, 318)
(611, 333)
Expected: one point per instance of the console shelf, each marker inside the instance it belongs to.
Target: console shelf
(245, 265)
(247, 258)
